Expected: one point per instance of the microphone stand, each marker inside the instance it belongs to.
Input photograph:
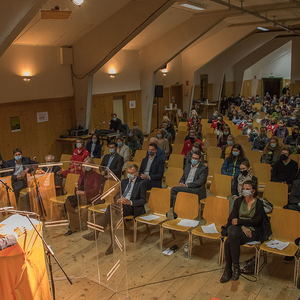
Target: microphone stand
(49, 252)
(39, 197)
(7, 187)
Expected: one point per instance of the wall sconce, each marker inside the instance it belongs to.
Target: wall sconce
(27, 76)
(113, 76)
(164, 71)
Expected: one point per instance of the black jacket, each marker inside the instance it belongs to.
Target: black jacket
(199, 183)
(97, 151)
(259, 221)
(115, 124)
(284, 173)
(234, 184)
(138, 197)
(116, 165)
(156, 170)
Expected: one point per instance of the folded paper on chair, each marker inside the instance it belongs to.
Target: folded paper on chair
(211, 228)
(188, 223)
(276, 244)
(149, 217)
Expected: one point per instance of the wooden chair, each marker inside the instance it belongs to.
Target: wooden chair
(176, 161)
(295, 157)
(159, 204)
(213, 152)
(253, 157)
(66, 158)
(211, 142)
(69, 188)
(216, 211)
(179, 138)
(177, 148)
(242, 139)
(285, 225)
(173, 176)
(262, 172)
(139, 155)
(186, 207)
(97, 161)
(221, 185)
(276, 193)
(182, 128)
(214, 167)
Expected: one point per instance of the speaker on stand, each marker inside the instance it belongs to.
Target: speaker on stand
(158, 93)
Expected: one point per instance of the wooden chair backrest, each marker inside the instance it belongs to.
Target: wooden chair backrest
(211, 142)
(177, 148)
(216, 210)
(253, 157)
(108, 184)
(176, 160)
(159, 200)
(214, 166)
(97, 161)
(71, 183)
(213, 152)
(285, 224)
(211, 136)
(182, 124)
(139, 155)
(295, 157)
(262, 172)
(182, 128)
(145, 145)
(187, 205)
(179, 138)
(173, 176)
(221, 185)
(242, 139)
(276, 193)
(66, 158)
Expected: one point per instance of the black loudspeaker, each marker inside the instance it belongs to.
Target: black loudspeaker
(159, 91)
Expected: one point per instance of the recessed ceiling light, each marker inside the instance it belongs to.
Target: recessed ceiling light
(191, 6)
(262, 28)
(78, 2)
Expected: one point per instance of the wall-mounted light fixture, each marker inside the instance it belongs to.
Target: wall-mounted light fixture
(78, 2)
(27, 76)
(112, 72)
(164, 71)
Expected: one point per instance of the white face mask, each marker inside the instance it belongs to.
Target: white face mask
(78, 145)
(246, 193)
(88, 169)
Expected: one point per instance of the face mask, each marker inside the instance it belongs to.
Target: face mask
(230, 143)
(94, 141)
(151, 153)
(18, 157)
(226, 132)
(283, 157)
(244, 172)
(78, 145)
(111, 151)
(130, 176)
(114, 119)
(88, 169)
(273, 145)
(194, 149)
(194, 162)
(246, 193)
(120, 144)
(159, 135)
(235, 153)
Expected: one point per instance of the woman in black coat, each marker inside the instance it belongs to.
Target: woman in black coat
(247, 222)
(94, 147)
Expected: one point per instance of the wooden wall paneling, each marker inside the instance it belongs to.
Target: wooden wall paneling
(230, 88)
(210, 91)
(35, 139)
(246, 89)
(177, 93)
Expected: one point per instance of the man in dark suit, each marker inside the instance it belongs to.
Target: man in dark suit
(115, 123)
(152, 168)
(20, 166)
(133, 199)
(113, 160)
(193, 179)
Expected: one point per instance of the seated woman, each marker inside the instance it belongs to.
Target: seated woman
(246, 223)
(261, 140)
(162, 142)
(238, 181)
(94, 146)
(222, 138)
(123, 150)
(231, 165)
(226, 149)
(271, 152)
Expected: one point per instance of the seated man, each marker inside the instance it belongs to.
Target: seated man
(152, 168)
(52, 168)
(285, 169)
(115, 123)
(193, 179)
(89, 185)
(113, 160)
(133, 200)
(20, 165)
(138, 133)
(79, 155)
(160, 152)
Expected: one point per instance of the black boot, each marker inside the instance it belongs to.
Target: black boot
(227, 274)
(236, 272)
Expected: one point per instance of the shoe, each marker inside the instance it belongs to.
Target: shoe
(69, 232)
(175, 215)
(288, 258)
(227, 274)
(236, 272)
(109, 250)
(90, 236)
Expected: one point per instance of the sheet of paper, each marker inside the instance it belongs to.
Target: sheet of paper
(103, 210)
(211, 228)
(253, 243)
(168, 251)
(276, 244)
(188, 223)
(150, 217)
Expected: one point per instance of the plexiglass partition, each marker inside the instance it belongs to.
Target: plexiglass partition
(83, 222)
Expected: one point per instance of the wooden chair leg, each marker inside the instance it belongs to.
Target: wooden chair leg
(51, 211)
(161, 236)
(190, 244)
(134, 230)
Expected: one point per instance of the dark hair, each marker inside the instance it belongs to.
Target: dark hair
(286, 148)
(197, 153)
(120, 138)
(113, 143)
(98, 141)
(245, 163)
(241, 157)
(254, 186)
(153, 145)
(135, 166)
(17, 150)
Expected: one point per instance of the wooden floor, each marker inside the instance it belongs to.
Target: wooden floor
(150, 273)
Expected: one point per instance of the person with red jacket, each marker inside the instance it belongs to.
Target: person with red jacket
(189, 142)
(79, 155)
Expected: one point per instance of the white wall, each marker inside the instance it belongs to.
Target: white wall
(50, 78)
(275, 64)
(126, 65)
